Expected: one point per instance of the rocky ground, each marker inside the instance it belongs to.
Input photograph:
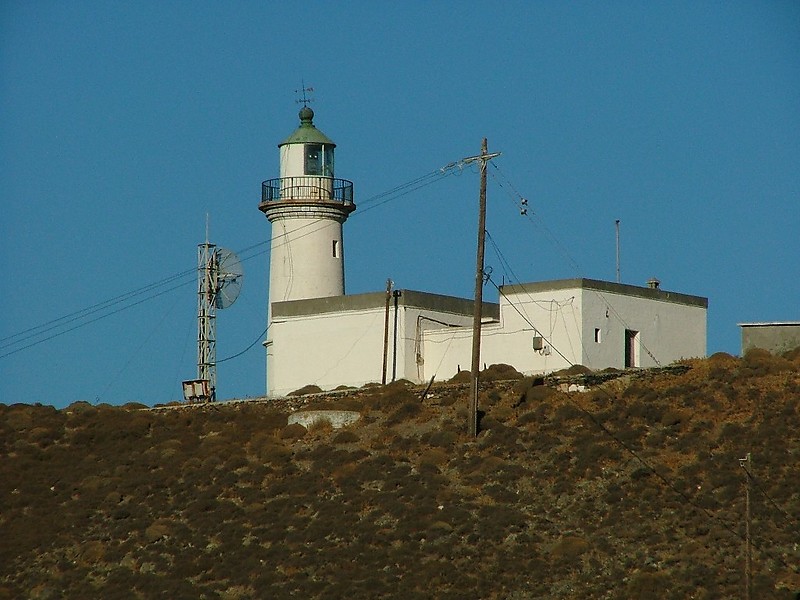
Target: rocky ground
(632, 489)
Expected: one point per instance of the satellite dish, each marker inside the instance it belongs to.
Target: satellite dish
(229, 278)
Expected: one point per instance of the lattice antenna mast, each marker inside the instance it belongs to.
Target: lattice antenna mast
(207, 288)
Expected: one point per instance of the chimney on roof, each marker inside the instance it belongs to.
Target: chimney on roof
(653, 283)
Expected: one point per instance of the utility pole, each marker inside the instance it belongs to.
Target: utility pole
(389, 285)
(472, 415)
(746, 464)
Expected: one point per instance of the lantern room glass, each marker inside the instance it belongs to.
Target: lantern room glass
(319, 160)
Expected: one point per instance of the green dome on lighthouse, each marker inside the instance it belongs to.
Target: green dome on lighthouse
(307, 133)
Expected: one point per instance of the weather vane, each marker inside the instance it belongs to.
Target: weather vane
(305, 100)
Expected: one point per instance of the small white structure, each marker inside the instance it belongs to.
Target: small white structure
(775, 336)
(319, 336)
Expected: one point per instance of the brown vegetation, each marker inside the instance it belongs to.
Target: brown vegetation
(632, 490)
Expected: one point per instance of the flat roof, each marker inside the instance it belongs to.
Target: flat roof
(463, 306)
(371, 300)
(623, 289)
(771, 324)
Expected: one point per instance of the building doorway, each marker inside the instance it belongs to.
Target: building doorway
(631, 348)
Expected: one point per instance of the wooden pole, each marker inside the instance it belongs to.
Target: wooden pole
(386, 331)
(472, 413)
(472, 417)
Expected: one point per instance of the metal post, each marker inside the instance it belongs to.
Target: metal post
(396, 294)
(746, 464)
(386, 331)
(617, 226)
(472, 414)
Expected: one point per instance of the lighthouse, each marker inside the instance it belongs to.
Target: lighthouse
(307, 206)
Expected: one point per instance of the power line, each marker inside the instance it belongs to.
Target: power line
(79, 314)
(238, 354)
(98, 318)
(8, 343)
(523, 206)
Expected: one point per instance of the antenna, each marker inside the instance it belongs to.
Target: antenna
(617, 225)
(305, 101)
(219, 281)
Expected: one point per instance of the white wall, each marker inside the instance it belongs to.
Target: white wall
(302, 264)
(345, 347)
(328, 350)
(567, 319)
(668, 331)
(292, 160)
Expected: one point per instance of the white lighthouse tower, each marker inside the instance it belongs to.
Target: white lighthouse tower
(307, 207)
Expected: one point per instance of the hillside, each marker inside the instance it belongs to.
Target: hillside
(630, 490)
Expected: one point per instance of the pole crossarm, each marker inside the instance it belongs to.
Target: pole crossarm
(484, 158)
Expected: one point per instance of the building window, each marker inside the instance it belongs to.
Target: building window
(335, 246)
(597, 335)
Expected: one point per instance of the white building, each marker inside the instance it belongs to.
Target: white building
(317, 335)
(536, 328)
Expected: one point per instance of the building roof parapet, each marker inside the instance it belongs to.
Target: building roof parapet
(372, 300)
(771, 324)
(623, 289)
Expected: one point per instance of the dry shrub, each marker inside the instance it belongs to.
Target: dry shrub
(500, 372)
(158, 529)
(532, 390)
(441, 439)
(345, 437)
(461, 377)
(573, 370)
(673, 417)
(435, 456)
(306, 389)
(569, 549)
(644, 586)
(792, 355)
(723, 359)
(758, 362)
(320, 426)
(392, 395)
(502, 413)
(295, 431)
(407, 411)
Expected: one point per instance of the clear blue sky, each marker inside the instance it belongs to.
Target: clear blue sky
(123, 123)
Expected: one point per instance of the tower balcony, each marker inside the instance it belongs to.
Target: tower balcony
(310, 188)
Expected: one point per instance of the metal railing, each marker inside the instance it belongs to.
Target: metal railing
(322, 189)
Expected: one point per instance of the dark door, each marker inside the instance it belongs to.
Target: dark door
(630, 348)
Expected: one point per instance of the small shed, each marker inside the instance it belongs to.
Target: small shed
(776, 337)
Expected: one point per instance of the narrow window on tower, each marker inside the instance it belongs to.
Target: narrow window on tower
(327, 161)
(597, 335)
(335, 248)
